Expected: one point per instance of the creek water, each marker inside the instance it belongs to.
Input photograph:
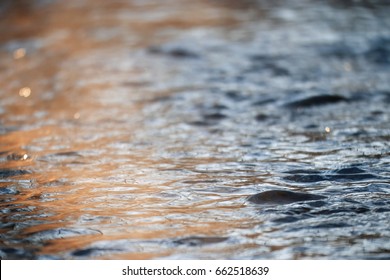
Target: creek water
(194, 129)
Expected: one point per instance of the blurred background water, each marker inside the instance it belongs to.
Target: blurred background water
(139, 129)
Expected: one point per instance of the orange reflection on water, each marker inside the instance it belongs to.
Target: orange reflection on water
(86, 172)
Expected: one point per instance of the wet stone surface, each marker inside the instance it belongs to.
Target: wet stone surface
(194, 129)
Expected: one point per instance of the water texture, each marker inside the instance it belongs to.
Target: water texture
(194, 129)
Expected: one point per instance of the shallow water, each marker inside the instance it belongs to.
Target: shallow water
(142, 129)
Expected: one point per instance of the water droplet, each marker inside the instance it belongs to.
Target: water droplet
(18, 156)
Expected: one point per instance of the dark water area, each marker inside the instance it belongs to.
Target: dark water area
(194, 129)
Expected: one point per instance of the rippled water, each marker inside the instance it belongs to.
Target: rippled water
(194, 129)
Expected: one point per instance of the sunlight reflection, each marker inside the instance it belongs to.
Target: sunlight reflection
(19, 53)
(25, 92)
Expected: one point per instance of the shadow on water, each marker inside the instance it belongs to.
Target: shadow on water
(194, 129)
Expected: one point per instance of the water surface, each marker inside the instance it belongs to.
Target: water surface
(142, 129)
